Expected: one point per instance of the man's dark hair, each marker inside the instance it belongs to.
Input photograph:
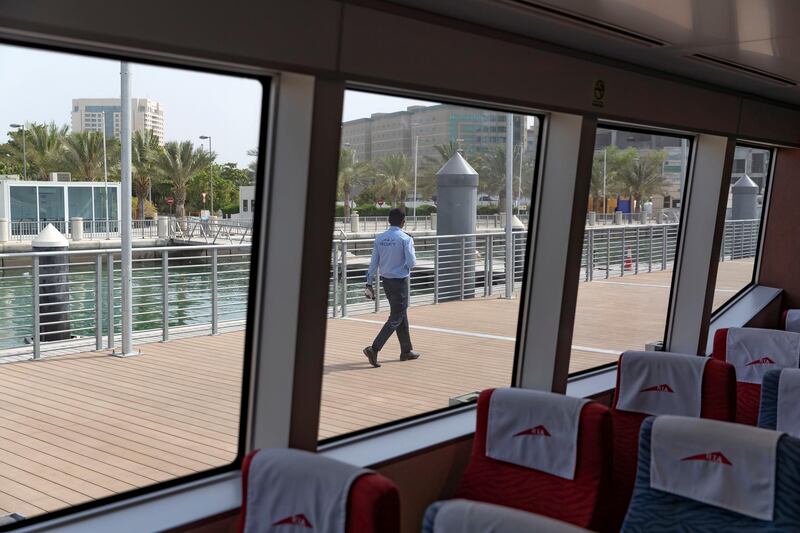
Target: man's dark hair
(396, 217)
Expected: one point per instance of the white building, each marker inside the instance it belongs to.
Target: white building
(88, 114)
(247, 203)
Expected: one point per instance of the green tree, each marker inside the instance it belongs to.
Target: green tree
(144, 153)
(43, 149)
(351, 174)
(84, 155)
(394, 171)
(179, 163)
(639, 175)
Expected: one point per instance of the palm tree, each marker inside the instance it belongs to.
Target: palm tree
(641, 176)
(351, 173)
(84, 155)
(394, 169)
(44, 149)
(444, 153)
(179, 163)
(144, 151)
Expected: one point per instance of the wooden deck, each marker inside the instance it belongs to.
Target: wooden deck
(81, 427)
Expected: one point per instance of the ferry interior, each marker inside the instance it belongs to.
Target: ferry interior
(399, 265)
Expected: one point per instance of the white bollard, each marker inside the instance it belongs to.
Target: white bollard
(618, 218)
(433, 221)
(592, 218)
(4, 230)
(163, 227)
(76, 228)
(354, 225)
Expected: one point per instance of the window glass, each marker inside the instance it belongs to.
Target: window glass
(632, 226)
(743, 216)
(452, 189)
(78, 424)
(80, 202)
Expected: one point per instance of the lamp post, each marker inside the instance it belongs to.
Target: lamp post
(24, 151)
(211, 173)
(105, 179)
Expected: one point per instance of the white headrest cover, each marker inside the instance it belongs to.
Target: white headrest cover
(754, 351)
(661, 383)
(726, 465)
(793, 320)
(538, 430)
(465, 516)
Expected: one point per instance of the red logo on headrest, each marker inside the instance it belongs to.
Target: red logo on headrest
(538, 430)
(658, 388)
(712, 457)
(296, 520)
(763, 361)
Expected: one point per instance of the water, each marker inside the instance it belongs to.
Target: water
(189, 294)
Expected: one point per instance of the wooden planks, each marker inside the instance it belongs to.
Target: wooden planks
(80, 427)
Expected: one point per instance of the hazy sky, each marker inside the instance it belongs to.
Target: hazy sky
(38, 86)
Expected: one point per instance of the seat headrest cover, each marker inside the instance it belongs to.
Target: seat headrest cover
(793, 320)
(661, 383)
(466, 516)
(297, 488)
(754, 351)
(788, 415)
(726, 465)
(538, 430)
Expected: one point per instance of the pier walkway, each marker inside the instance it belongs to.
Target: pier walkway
(79, 427)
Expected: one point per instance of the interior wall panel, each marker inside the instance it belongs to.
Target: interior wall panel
(768, 122)
(780, 262)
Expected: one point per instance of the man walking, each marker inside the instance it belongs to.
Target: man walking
(393, 255)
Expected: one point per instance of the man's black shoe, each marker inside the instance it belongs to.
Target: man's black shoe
(409, 356)
(372, 356)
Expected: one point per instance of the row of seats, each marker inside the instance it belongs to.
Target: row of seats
(667, 455)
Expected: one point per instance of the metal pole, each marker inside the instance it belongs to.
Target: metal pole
(487, 260)
(214, 300)
(436, 271)
(335, 276)
(491, 263)
(605, 202)
(125, 230)
(165, 296)
(416, 153)
(98, 302)
(24, 155)
(36, 319)
(344, 278)
(211, 177)
(509, 194)
(463, 265)
(110, 268)
(105, 177)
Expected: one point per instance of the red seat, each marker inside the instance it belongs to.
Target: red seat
(718, 403)
(373, 504)
(748, 395)
(575, 501)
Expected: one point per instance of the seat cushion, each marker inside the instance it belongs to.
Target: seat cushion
(574, 501)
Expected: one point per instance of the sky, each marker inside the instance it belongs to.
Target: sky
(39, 85)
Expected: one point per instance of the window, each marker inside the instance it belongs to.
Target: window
(80, 425)
(629, 246)
(739, 166)
(244, 206)
(743, 217)
(460, 322)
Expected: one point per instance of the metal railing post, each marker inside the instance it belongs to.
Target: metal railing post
(344, 278)
(463, 267)
(490, 277)
(436, 271)
(165, 296)
(37, 345)
(664, 250)
(487, 260)
(638, 251)
(110, 302)
(590, 257)
(214, 296)
(608, 252)
(622, 255)
(650, 252)
(335, 275)
(98, 302)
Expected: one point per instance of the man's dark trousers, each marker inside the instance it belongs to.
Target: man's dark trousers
(397, 293)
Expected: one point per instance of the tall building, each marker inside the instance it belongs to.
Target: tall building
(475, 131)
(88, 115)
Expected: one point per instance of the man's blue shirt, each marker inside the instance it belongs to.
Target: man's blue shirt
(393, 253)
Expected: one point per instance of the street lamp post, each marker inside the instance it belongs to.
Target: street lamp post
(105, 179)
(211, 173)
(24, 151)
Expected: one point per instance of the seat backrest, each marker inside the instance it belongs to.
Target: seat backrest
(790, 320)
(718, 401)
(656, 510)
(780, 398)
(748, 393)
(573, 500)
(466, 516)
(373, 501)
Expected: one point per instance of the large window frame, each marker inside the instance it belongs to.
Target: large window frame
(765, 205)
(332, 443)
(69, 518)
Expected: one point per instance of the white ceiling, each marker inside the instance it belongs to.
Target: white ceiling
(759, 34)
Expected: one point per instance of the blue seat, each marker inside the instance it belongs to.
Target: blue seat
(768, 412)
(654, 510)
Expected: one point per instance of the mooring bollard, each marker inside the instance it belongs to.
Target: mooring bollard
(76, 228)
(53, 274)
